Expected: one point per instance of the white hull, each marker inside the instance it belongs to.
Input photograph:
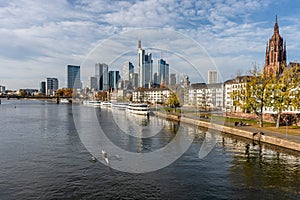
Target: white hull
(92, 103)
(139, 109)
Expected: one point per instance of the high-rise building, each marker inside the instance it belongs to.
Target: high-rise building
(43, 87)
(134, 80)
(2, 89)
(163, 72)
(101, 73)
(74, 77)
(155, 79)
(145, 67)
(51, 86)
(212, 76)
(114, 77)
(275, 53)
(172, 79)
(93, 83)
(128, 69)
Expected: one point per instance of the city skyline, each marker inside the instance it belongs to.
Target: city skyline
(234, 34)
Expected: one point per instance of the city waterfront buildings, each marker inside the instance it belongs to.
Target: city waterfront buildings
(114, 77)
(73, 76)
(93, 83)
(151, 95)
(145, 65)
(101, 73)
(43, 87)
(172, 79)
(212, 76)
(163, 72)
(51, 86)
(127, 69)
(2, 89)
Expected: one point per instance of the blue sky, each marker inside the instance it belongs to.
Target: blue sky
(40, 38)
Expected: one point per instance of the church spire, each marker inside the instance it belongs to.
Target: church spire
(276, 27)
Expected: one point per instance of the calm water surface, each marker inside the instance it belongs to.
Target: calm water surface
(42, 157)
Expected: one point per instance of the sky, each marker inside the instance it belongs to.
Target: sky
(40, 38)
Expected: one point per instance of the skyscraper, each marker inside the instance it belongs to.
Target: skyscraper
(51, 86)
(93, 83)
(212, 76)
(114, 77)
(101, 73)
(163, 70)
(43, 87)
(128, 69)
(145, 66)
(74, 77)
(172, 79)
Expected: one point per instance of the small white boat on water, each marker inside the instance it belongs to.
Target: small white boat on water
(104, 155)
(94, 103)
(138, 108)
(119, 106)
(105, 104)
(64, 101)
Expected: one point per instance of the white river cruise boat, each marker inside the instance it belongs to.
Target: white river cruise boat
(138, 108)
(94, 103)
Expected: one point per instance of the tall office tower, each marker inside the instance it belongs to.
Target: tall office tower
(155, 79)
(134, 78)
(101, 73)
(212, 76)
(172, 79)
(74, 81)
(93, 83)
(145, 67)
(163, 70)
(43, 87)
(2, 88)
(51, 86)
(128, 69)
(114, 77)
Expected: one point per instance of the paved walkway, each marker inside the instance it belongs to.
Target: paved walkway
(251, 129)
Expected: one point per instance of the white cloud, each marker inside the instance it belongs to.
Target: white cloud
(47, 35)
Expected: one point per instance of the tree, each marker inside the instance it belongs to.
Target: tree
(285, 92)
(173, 101)
(255, 95)
(64, 92)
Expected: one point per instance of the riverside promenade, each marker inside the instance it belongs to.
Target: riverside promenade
(270, 137)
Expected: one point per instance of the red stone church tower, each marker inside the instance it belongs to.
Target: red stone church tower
(275, 53)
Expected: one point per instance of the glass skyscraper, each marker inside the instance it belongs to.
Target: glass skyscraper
(74, 81)
(114, 77)
(163, 72)
(145, 67)
(51, 86)
(101, 73)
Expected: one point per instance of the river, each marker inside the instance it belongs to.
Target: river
(43, 156)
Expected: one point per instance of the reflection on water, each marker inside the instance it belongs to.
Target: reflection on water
(42, 157)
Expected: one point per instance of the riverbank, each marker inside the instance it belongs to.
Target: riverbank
(246, 132)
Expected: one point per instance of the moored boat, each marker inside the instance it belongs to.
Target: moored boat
(94, 103)
(138, 108)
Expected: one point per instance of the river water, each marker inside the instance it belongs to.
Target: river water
(42, 156)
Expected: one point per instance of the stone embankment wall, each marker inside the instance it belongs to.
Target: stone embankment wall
(234, 131)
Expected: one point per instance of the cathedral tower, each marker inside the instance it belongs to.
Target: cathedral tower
(275, 53)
